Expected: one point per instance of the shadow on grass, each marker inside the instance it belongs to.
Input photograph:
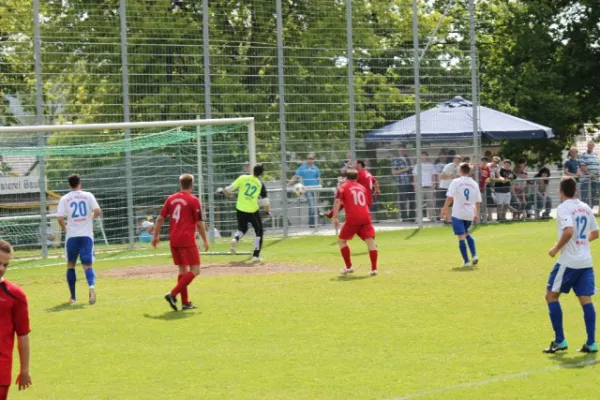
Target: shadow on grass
(412, 234)
(464, 269)
(348, 278)
(65, 307)
(579, 361)
(173, 315)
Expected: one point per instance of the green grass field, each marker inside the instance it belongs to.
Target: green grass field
(421, 329)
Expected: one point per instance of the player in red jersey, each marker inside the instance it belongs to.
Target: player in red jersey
(14, 319)
(353, 196)
(185, 213)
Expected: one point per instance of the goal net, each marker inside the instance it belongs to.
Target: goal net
(130, 167)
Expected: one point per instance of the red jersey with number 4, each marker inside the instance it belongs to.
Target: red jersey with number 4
(14, 319)
(353, 196)
(368, 181)
(184, 211)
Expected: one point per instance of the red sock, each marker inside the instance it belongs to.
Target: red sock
(346, 255)
(185, 280)
(373, 257)
(184, 292)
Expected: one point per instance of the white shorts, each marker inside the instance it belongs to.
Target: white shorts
(502, 199)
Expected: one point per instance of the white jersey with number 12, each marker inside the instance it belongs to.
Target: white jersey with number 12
(576, 214)
(78, 206)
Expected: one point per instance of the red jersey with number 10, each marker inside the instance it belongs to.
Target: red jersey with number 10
(184, 211)
(353, 196)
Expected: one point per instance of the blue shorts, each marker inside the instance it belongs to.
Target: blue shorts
(563, 279)
(80, 247)
(460, 226)
(145, 237)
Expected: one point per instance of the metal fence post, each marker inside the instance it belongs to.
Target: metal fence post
(208, 114)
(474, 86)
(199, 162)
(416, 65)
(282, 125)
(351, 101)
(126, 117)
(535, 199)
(39, 107)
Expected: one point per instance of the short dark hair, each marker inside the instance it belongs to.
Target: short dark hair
(186, 181)
(74, 181)
(361, 162)
(351, 174)
(568, 186)
(258, 170)
(485, 158)
(465, 168)
(5, 247)
(402, 146)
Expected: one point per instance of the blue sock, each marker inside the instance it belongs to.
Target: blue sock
(589, 316)
(71, 279)
(556, 318)
(471, 243)
(463, 250)
(90, 275)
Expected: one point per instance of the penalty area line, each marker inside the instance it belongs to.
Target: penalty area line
(502, 378)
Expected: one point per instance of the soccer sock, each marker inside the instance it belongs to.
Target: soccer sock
(471, 243)
(373, 257)
(346, 256)
(589, 316)
(257, 246)
(556, 318)
(90, 275)
(71, 279)
(238, 235)
(184, 292)
(463, 250)
(185, 280)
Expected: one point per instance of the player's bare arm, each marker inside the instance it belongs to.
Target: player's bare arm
(160, 221)
(476, 217)
(593, 236)
(336, 210)
(376, 185)
(564, 239)
(97, 213)
(202, 231)
(446, 207)
(24, 379)
(61, 222)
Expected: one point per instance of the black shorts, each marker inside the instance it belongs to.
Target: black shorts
(244, 218)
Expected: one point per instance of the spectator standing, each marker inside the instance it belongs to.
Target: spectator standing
(402, 170)
(310, 176)
(428, 184)
(439, 164)
(484, 178)
(572, 167)
(502, 189)
(541, 196)
(591, 170)
(518, 190)
(495, 168)
(449, 173)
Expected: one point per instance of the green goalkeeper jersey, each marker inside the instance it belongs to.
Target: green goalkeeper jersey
(250, 189)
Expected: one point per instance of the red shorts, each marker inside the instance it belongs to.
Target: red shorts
(4, 392)
(185, 256)
(364, 231)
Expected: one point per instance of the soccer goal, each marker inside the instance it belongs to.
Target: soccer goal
(130, 167)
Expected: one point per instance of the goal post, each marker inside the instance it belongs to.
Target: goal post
(156, 153)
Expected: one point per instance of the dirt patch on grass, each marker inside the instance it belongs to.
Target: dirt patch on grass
(235, 268)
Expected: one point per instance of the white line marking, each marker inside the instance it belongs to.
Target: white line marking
(496, 379)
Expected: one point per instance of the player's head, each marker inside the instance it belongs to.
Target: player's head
(464, 169)
(75, 181)
(351, 174)
(568, 188)
(360, 164)
(258, 170)
(186, 182)
(5, 254)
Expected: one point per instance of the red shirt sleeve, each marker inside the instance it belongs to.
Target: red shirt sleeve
(21, 316)
(166, 210)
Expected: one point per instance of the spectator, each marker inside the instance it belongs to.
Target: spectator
(572, 167)
(518, 190)
(484, 180)
(246, 168)
(402, 169)
(439, 164)
(541, 197)
(502, 189)
(147, 231)
(449, 172)
(488, 155)
(591, 170)
(310, 176)
(428, 183)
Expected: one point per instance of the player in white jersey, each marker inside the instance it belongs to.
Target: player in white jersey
(465, 197)
(577, 227)
(80, 209)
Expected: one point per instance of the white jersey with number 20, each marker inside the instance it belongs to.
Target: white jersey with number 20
(576, 214)
(78, 206)
(465, 194)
